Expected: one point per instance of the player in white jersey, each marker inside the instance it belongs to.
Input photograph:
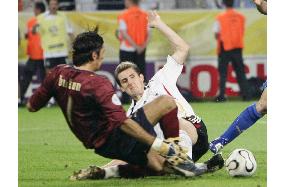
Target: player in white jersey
(193, 133)
(163, 84)
(192, 130)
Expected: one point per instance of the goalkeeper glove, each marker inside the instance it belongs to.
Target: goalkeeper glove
(170, 147)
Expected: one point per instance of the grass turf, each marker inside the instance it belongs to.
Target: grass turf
(49, 152)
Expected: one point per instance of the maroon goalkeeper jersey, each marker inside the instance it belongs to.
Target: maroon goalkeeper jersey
(87, 100)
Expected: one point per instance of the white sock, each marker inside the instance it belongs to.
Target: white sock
(185, 141)
(111, 172)
(52, 100)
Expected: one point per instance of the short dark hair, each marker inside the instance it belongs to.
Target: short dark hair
(228, 3)
(40, 6)
(84, 45)
(124, 66)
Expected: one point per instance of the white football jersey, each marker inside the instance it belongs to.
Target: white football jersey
(164, 83)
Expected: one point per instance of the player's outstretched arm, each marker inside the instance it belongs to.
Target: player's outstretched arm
(261, 6)
(42, 95)
(181, 48)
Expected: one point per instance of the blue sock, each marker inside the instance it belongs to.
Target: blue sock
(245, 120)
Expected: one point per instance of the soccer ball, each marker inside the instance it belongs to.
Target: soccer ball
(241, 162)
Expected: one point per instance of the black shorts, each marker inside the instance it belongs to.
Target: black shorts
(52, 62)
(121, 146)
(202, 144)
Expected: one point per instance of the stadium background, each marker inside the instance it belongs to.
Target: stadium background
(200, 75)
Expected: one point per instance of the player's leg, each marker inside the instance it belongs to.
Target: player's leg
(163, 110)
(149, 115)
(155, 161)
(135, 171)
(29, 71)
(188, 135)
(245, 120)
(114, 163)
(223, 61)
(202, 144)
(189, 128)
(41, 69)
(147, 118)
(155, 166)
(121, 146)
(141, 63)
(166, 106)
(156, 109)
(239, 67)
(124, 170)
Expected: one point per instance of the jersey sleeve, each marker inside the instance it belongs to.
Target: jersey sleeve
(42, 95)
(110, 103)
(170, 72)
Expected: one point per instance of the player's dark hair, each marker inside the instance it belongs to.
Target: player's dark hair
(228, 3)
(84, 45)
(40, 6)
(124, 66)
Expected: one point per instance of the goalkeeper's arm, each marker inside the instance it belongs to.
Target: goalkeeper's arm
(163, 147)
(133, 129)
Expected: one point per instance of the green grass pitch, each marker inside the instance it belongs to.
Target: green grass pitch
(49, 152)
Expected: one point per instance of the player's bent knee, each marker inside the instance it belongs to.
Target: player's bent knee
(167, 102)
(189, 128)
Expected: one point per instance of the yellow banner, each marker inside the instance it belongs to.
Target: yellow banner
(195, 26)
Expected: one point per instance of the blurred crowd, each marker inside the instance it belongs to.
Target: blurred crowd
(91, 5)
(49, 34)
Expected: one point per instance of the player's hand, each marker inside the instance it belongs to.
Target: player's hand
(257, 2)
(153, 18)
(171, 150)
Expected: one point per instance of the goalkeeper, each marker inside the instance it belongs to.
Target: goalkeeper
(95, 115)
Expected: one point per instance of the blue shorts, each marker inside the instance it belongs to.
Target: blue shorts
(121, 146)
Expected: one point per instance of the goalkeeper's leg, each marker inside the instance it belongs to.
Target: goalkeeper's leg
(157, 166)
